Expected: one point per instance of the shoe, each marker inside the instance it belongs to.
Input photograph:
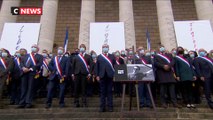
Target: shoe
(164, 106)
(77, 105)
(20, 106)
(28, 106)
(102, 110)
(193, 106)
(61, 105)
(188, 105)
(110, 110)
(12, 102)
(176, 105)
(85, 105)
(210, 105)
(48, 106)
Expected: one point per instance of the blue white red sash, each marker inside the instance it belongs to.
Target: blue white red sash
(3, 63)
(143, 61)
(118, 63)
(164, 57)
(58, 67)
(108, 60)
(208, 60)
(32, 59)
(17, 61)
(183, 59)
(84, 62)
(45, 64)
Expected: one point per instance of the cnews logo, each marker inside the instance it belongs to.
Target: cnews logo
(26, 10)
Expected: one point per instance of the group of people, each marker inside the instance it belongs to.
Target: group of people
(177, 73)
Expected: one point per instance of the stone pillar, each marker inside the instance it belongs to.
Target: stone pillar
(87, 16)
(165, 21)
(204, 10)
(126, 16)
(48, 24)
(5, 14)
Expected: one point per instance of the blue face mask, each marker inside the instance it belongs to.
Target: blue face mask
(174, 52)
(148, 54)
(152, 53)
(66, 55)
(44, 55)
(50, 55)
(94, 56)
(162, 49)
(60, 52)
(82, 49)
(33, 49)
(18, 54)
(4, 54)
(141, 51)
(202, 54)
(192, 55)
(105, 50)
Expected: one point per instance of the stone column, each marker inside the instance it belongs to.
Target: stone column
(204, 10)
(48, 24)
(165, 21)
(126, 16)
(5, 14)
(87, 16)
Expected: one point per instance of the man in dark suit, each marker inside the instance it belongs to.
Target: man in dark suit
(58, 67)
(81, 74)
(6, 66)
(30, 64)
(105, 71)
(164, 64)
(204, 69)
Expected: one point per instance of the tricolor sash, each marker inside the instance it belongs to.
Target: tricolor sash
(118, 63)
(45, 64)
(208, 60)
(17, 61)
(3, 63)
(164, 57)
(108, 60)
(32, 58)
(84, 62)
(183, 60)
(58, 67)
(143, 61)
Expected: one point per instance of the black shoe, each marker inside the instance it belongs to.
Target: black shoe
(177, 105)
(29, 106)
(110, 110)
(102, 110)
(12, 102)
(77, 105)
(165, 106)
(210, 105)
(85, 105)
(61, 105)
(20, 106)
(48, 106)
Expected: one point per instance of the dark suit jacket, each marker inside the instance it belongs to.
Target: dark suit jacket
(36, 68)
(17, 71)
(203, 68)
(78, 66)
(162, 75)
(63, 64)
(103, 67)
(9, 63)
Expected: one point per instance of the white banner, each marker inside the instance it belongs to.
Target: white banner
(111, 33)
(19, 35)
(194, 35)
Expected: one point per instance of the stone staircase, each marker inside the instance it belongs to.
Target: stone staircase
(38, 112)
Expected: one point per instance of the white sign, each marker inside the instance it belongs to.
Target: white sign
(111, 33)
(19, 35)
(194, 35)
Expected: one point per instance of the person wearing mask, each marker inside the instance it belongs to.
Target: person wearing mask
(204, 69)
(16, 79)
(104, 71)
(6, 67)
(164, 64)
(118, 85)
(81, 74)
(30, 64)
(185, 74)
(173, 52)
(58, 72)
(211, 54)
(123, 56)
(144, 96)
(96, 85)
